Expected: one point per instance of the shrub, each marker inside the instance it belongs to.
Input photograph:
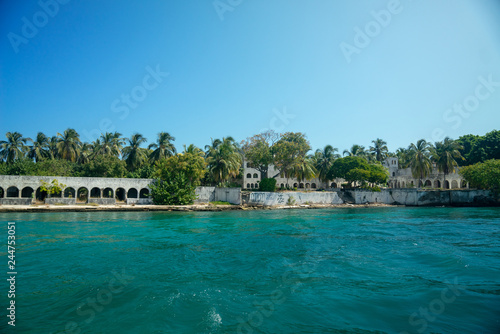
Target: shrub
(268, 184)
(291, 200)
(176, 189)
(483, 175)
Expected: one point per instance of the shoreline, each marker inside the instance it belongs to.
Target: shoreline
(177, 208)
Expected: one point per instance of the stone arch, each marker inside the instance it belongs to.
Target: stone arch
(27, 192)
(1, 192)
(437, 184)
(95, 193)
(454, 184)
(295, 185)
(248, 165)
(69, 192)
(108, 193)
(301, 185)
(249, 176)
(144, 193)
(334, 185)
(313, 185)
(120, 194)
(393, 174)
(403, 184)
(255, 176)
(248, 185)
(308, 186)
(412, 184)
(132, 193)
(251, 185)
(399, 184)
(82, 194)
(446, 184)
(428, 183)
(40, 195)
(12, 192)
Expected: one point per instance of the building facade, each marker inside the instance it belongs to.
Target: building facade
(402, 178)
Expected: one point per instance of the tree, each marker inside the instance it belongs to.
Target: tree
(357, 169)
(356, 151)
(444, 154)
(104, 166)
(194, 150)
(69, 144)
(223, 159)
(258, 151)
(14, 147)
(419, 159)
(133, 154)
(110, 144)
(379, 149)
(467, 142)
(485, 148)
(52, 147)
(289, 152)
(403, 155)
(483, 175)
(175, 189)
(192, 166)
(163, 148)
(323, 160)
(52, 188)
(39, 150)
(303, 169)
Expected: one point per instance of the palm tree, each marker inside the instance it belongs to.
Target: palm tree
(403, 155)
(445, 154)
(86, 153)
(419, 160)
(40, 148)
(110, 144)
(323, 160)
(163, 148)
(356, 151)
(303, 169)
(14, 147)
(52, 147)
(134, 154)
(379, 149)
(223, 158)
(194, 150)
(69, 145)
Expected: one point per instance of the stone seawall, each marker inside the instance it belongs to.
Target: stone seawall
(409, 197)
(290, 198)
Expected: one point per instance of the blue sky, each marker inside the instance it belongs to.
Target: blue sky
(342, 72)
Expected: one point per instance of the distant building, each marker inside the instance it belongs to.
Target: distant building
(252, 177)
(398, 178)
(402, 177)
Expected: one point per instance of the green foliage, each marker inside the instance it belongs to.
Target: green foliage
(191, 165)
(258, 151)
(57, 167)
(146, 171)
(466, 142)
(374, 188)
(223, 159)
(290, 201)
(52, 188)
(215, 203)
(290, 153)
(483, 175)
(176, 189)
(268, 184)
(357, 169)
(104, 166)
(485, 148)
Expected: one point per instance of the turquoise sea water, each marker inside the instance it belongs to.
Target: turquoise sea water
(368, 270)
